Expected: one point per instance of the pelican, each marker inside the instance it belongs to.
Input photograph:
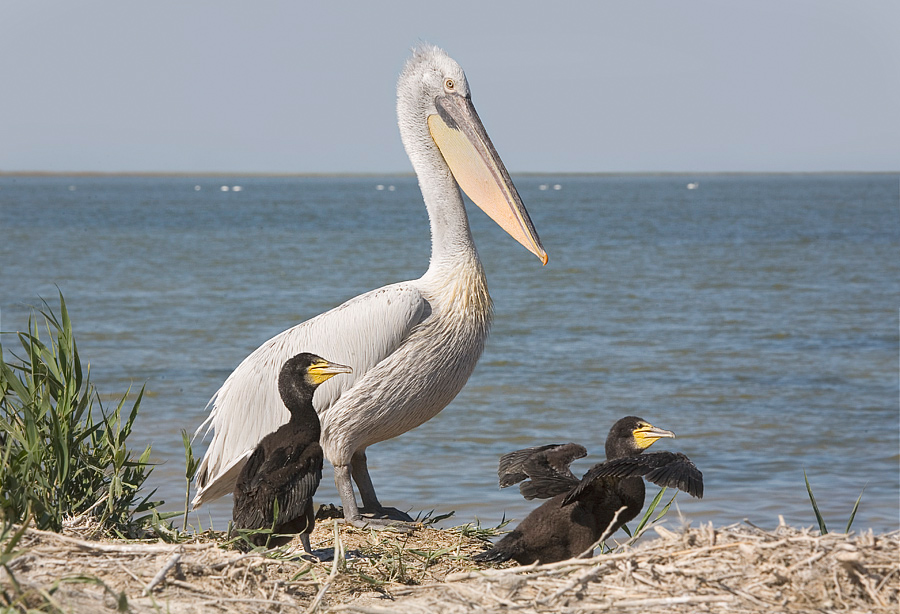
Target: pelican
(411, 345)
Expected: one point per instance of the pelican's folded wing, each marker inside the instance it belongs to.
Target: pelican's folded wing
(360, 333)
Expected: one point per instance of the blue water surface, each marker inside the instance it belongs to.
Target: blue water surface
(756, 316)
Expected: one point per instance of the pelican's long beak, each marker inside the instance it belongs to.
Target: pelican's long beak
(460, 136)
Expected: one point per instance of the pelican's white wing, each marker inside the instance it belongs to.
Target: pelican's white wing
(360, 333)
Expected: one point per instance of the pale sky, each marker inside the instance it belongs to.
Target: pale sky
(306, 87)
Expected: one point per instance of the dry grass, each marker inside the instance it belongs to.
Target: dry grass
(733, 569)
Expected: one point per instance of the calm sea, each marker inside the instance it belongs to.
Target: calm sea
(756, 316)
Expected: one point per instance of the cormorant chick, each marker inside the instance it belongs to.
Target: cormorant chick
(286, 467)
(579, 511)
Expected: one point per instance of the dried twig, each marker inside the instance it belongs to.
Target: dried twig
(338, 557)
(737, 568)
(172, 562)
(684, 599)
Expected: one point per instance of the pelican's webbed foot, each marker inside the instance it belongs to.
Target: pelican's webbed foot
(375, 515)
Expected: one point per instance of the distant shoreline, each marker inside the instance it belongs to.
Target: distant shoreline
(411, 174)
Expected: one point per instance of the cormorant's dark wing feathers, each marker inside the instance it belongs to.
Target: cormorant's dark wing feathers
(587, 483)
(545, 467)
(509, 469)
(546, 487)
(670, 469)
(289, 474)
(247, 512)
(301, 490)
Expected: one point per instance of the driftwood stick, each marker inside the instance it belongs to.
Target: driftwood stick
(133, 548)
(363, 609)
(172, 562)
(643, 603)
(260, 602)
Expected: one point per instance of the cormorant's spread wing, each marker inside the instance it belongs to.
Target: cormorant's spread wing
(591, 482)
(360, 333)
(556, 458)
(671, 469)
(546, 469)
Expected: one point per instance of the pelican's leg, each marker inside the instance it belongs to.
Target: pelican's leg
(348, 500)
(345, 490)
(370, 502)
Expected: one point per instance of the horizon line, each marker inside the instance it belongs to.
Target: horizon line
(34, 173)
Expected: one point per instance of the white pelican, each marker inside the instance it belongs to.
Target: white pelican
(411, 345)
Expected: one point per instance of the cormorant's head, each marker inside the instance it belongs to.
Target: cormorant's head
(302, 374)
(632, 435)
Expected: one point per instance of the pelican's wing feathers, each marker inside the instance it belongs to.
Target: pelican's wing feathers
(545, 469)
(359, 333)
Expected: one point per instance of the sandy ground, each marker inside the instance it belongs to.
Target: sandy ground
(738, 568)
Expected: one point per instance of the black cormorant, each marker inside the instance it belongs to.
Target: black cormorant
(286, 466)
(579, 511)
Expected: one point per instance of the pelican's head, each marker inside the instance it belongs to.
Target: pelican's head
(436, 116)
(632, 435)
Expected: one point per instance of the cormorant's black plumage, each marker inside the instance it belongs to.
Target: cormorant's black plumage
(546, 466)
(579, 511)
(286, 466)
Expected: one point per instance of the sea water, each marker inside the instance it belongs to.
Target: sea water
(756, 316)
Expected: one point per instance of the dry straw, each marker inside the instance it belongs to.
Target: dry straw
(738, 568)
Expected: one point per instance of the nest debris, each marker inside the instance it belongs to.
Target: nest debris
(735, 569)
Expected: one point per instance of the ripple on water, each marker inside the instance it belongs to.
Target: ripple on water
(757, 319)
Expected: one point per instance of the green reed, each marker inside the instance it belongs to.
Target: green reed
(819, 519)
(65, 456)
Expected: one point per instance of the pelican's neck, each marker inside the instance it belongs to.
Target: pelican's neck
(455, 273)
(451, 238)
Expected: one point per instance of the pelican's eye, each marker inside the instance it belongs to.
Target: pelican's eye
(449, 85)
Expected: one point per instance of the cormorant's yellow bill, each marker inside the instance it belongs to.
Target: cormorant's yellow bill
(646, 434)
(321, 371)
(460, 136)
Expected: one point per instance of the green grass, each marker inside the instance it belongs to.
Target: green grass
(645, 519)
(483, 533)
(65, 456)
(190, 469)
(819, 519)
(9, 540)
